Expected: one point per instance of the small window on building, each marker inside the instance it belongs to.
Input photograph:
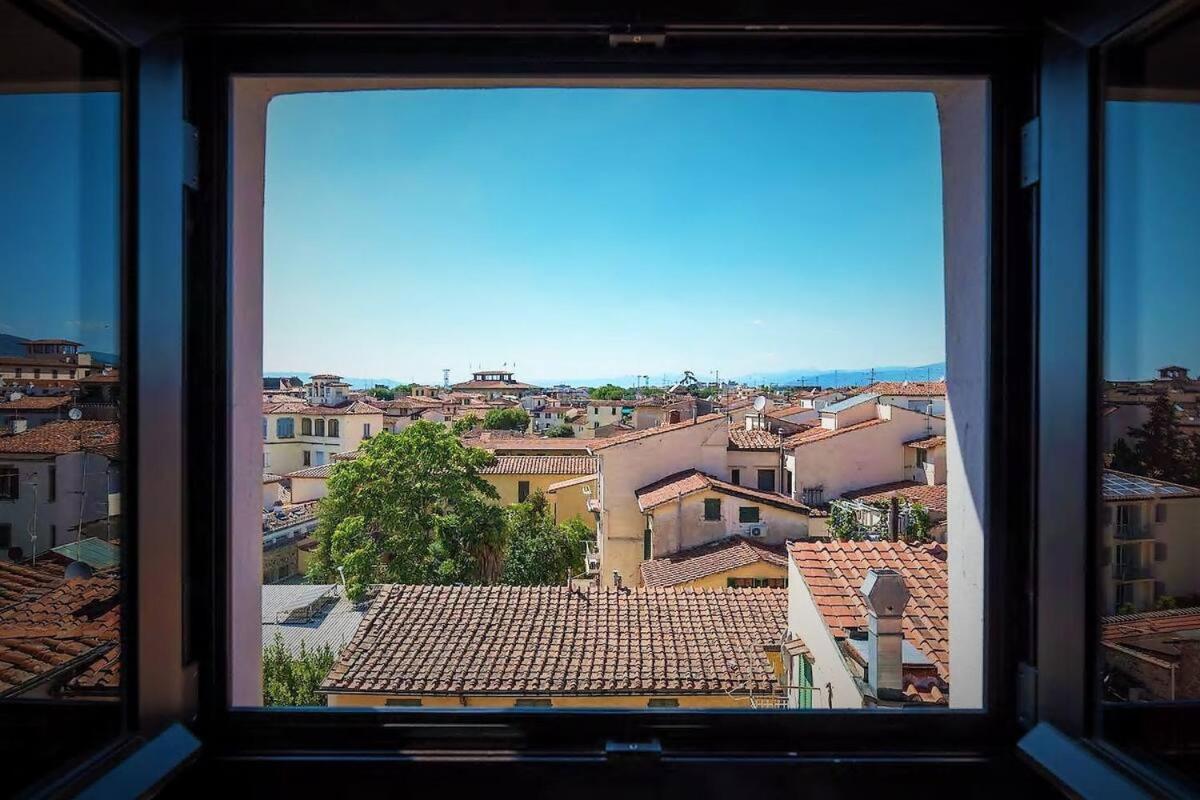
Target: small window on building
(766, 480)
(712, 510)
(10, 483)
(522, 491)
(334, 425)
(52, 484)
(53, 535)
(366, 430)
(285, 428)
(814, 495)
(735, 477)
(663, 702)
(5, 535)
(647, 542)
(306, 427)
(1160, 512)
(748, 514)
(318, 427)
(404, 702)
(264, 429)
(533, 702)
(308, 458)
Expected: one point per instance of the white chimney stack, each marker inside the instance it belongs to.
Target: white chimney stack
(886, 597)
(19, 425)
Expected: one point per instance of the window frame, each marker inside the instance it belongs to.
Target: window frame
(1003, 56)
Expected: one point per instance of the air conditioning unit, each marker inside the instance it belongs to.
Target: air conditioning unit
(754, 529)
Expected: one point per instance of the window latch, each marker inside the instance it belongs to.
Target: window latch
(1031, 152)
(630, 751)
(632, 38)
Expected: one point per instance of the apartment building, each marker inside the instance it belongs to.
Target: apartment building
(47, 359)
(494, 384)
(735, 562)
(476, 646)
(602, 413)
(868, 624)
(298, 435)
(927, 397)
(19, 412)
(326, 390)
(543, 418)
(1150, 542)
(516, 477)
(55, 479)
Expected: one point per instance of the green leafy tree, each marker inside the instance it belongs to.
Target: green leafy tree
(608, 391)
(843, 525)
(465, 423)
(506, 419)
(412, 508)
(708, 392)
(382, 393)
(560, 431)
(293, 680)
(651, 391)
(1123, 457)
(539, 552)
(919, 524)
(403, 390)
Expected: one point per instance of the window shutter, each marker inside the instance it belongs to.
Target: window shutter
(1160, 551)
(1160, 512)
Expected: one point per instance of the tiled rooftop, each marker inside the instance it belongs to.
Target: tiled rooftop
(316, 471)
(757, 439)
(927, 442)
(648, 432)
(908, 388)
(306, 410)
(834, 572)
(27, 403)
(542, 465)
(21, 582)
(932, 497)
(709, 559)
(62, 437)
(693, 480)
(818, 433)
(557, 640)
(850, 402)
(1149, 623)
(554, 487)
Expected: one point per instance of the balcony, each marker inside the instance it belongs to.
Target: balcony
(1133, 533)
(1132, 572)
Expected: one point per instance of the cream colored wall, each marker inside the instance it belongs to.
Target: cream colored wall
(627, 467)
(828, 664)
(648, 417)
(720, 700)
(572, 502)
(507, 486)
(306, 489)
(680, 524)
(750, 462)
(720, 580)
(861, 458)
(1178, 573)
(272, 492)
(287, 455)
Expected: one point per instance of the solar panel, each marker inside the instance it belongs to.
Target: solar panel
(1118, 485)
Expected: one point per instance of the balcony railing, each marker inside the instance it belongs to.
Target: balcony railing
(1132, 572)
(1129, 533)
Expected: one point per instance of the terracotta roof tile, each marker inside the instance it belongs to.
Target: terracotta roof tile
(932, 497)
(819, 433)
(757, 439)
(45, 403)
(648, 432)
(709, 559)
(306, 410)
(61, 437)
(21, 582)
(1148, 623)
(927, 442)
(557, 640)
(554, 487)
(693, 480)
(834, 572)
(907, 388)
(542, 465)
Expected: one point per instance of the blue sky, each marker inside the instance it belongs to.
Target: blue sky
(601, 232)
(58, 216)
(1152, 238)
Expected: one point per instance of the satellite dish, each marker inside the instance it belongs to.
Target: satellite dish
(760, 403)
(15, 396)
(75, 414)
(78, 569)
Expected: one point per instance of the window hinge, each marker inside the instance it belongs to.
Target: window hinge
(649, 751)
(191, 156)
(1031, 152)
(1026, 695)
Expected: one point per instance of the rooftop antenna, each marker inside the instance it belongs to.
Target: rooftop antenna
(445, 379)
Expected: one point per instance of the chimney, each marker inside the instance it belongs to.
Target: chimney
(18, 425)
(616, 579)
(886, 596)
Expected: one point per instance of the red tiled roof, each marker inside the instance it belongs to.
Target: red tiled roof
(501, 444)
(788, 411)
(557, 640)
(907, 388)
(693, 480)
(304, 409)
(927, 442)
(834, 572)
(74, 623)
(932, 497)
(648, 432)
(46, 403)
(315, 471)
(1149, 623)
(541, 465)
(554, 487)
(709, 559)
(757, 439)
(21, 582)
(63, 436)
(819, 433)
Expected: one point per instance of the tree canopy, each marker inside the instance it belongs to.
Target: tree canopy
(506, 419)
(1160, 448)
(539, 552)
(293, 680)
(412, 508)
(560, 431)
(608, 391)
(465, 423)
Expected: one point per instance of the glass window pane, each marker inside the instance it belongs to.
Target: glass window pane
(61, 523)
(1149, 575)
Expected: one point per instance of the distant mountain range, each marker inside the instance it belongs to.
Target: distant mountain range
(355, 383)
(15, 346)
